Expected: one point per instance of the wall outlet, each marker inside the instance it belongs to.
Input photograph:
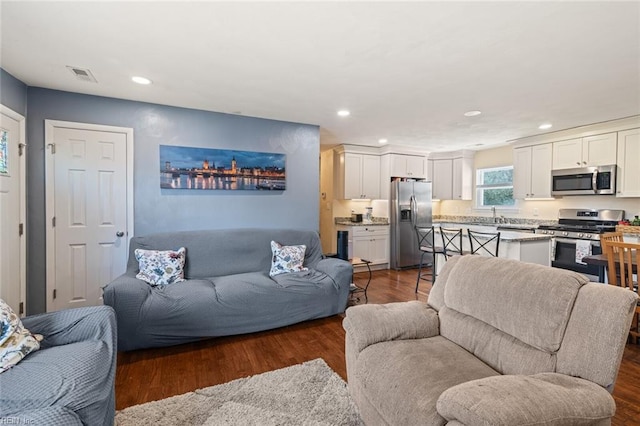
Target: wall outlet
(536, 212)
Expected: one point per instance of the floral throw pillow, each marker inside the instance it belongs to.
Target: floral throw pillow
(161, 267)
(16, 342)
(286, 259)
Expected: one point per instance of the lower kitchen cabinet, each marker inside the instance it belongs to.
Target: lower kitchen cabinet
(369, 242)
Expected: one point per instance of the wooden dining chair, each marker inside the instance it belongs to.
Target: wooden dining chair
(610, 236)
(622, 260)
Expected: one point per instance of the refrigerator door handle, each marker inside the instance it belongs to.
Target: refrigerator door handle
(414, 210)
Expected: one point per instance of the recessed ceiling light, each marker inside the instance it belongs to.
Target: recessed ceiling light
(472, 113)
(545, 126)
(344, 113)
(140, 80)
(382, 141)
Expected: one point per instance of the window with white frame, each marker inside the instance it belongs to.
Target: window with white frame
(494, 187)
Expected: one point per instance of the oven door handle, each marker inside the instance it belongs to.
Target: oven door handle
(572, 241)
(594, 181)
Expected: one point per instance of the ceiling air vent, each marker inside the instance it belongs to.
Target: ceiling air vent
(82, 74)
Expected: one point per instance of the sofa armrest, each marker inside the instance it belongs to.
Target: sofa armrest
(339, 270)
(74, 325)
(125, 290)
(545, 398)
(126, 295)
(370, 324)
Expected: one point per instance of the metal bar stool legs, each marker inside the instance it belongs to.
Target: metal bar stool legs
(433, 268)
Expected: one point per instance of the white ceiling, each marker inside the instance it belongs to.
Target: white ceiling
(406, 71)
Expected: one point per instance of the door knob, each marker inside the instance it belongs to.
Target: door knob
(119, 234)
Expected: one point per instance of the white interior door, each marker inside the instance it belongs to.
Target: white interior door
(12, 210)
(88, 201)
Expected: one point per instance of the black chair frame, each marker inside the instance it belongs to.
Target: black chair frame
(480, 242)
(451, 244)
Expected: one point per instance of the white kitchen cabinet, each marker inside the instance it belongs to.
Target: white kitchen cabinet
(628, 184)
(371, 243)
(358, 176)
(452, 176)
(599, 150)
(430, 170)
(462, 178)
(442, 188)
(411, 166)
(532, 171)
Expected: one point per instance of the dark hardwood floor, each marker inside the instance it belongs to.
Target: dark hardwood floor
(152, 374)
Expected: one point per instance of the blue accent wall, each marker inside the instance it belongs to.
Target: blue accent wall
(159, 210)
(13, 93)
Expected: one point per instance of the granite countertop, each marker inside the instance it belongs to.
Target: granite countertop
(507, 236)
(509, 222)
(514, 237)
(376, 221)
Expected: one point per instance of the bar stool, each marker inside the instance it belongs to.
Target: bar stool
(484, 242)
(451, 244)
(451, 241)
(426, 239)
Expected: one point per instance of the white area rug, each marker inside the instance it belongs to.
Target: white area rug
(304, 394)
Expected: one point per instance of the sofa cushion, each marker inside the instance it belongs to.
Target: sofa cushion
(161, 267)
(287, 259)
(404, 378)
(530, 302)
(547, 399)
(16, 341)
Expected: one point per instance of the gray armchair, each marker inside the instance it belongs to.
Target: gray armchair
(70, 380)
(500, 342)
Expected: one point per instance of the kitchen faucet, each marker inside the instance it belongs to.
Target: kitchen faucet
(493, 211)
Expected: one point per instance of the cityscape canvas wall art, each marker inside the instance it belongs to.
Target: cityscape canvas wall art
(224, 169)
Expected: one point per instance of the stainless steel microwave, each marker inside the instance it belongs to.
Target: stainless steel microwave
(600, 180)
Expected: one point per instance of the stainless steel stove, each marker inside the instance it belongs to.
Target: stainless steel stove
(583, 224)
(577, 230)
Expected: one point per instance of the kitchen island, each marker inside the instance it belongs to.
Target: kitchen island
(523, 246)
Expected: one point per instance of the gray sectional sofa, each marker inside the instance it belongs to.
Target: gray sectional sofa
(500, 342)
(227, 290)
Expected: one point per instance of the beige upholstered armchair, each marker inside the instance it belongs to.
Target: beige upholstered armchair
(500, 342)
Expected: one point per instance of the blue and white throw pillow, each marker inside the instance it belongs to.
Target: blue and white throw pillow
(16, 342)
(161, 267)
(287, 259)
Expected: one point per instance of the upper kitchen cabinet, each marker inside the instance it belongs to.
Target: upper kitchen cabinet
(442, 187)
(462, 178)
(628, 184)
(357, 175)
(452, 175)
(532, 171)
(400, 162)
(410, 166)
(598, 150)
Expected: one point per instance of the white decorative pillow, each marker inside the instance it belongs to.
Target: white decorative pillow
(158, 267)
(16, 342)
(286, 259)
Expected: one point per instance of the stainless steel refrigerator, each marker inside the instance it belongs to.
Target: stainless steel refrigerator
(410, 206)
